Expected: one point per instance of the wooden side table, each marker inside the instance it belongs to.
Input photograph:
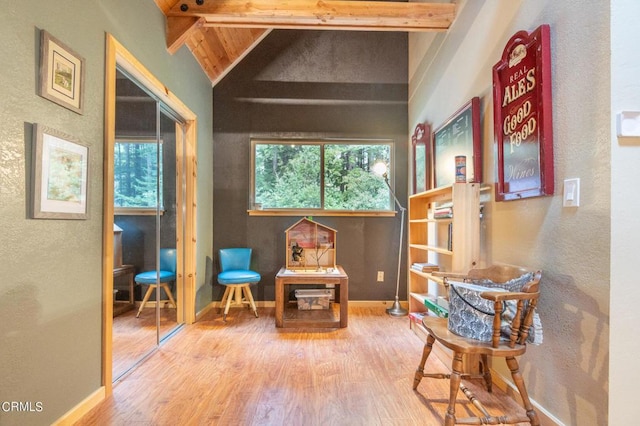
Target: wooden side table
(313, 318)
(120, 307)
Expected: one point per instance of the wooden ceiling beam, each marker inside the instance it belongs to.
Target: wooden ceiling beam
(180, 29)
(315, 14)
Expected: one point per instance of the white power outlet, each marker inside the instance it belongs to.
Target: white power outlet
(380, 276)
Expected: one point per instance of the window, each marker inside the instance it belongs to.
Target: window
(135, 175)
(319, 175)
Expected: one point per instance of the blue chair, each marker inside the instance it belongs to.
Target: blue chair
(237, 277)
(166, 274)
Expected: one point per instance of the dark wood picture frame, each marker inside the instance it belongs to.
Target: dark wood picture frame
(458, 135)
(523, 117)
(420, 154)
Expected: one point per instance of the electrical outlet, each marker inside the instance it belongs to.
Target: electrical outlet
(380, 276)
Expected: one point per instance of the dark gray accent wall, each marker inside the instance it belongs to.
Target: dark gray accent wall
(312, 84)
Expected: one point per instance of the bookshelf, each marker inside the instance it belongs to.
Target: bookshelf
(450, 241)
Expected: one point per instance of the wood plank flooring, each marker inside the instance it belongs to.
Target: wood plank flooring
(134, 337)
(247, 372)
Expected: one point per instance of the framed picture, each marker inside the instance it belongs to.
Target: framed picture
(458, 136)
(420, 148)
(61, 73)
(523, 117)
(59, 175)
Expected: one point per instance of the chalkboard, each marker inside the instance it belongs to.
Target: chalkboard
(459, 135)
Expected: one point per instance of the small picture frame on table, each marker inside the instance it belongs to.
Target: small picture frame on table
(59, 178)
(459, 135)
(61, 73)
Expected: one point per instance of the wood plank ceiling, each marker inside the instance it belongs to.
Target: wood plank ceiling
(219, 33)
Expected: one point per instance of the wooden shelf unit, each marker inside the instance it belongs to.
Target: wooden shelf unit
(451, 243)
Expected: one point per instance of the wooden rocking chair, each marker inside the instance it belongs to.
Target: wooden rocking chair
(437, 328)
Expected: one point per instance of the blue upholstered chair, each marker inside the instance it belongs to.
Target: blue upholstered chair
(166, 273)
(237, 277)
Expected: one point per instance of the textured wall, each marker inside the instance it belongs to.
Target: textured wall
(51, 275)
(568, 374)
(365, 76)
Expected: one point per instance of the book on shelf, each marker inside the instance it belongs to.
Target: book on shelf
(425, 267)
(441, 301)
(434, 307)
(443, 213)
(450, 237)
(416, 317)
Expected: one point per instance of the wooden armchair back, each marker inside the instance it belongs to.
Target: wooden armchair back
(521, 321)
(520, 305)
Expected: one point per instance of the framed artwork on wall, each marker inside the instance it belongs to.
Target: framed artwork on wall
(420, 150)
(61, 73)
(59, 175)
(458, 136)
(523, 117)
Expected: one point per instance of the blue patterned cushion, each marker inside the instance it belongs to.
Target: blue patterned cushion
(469, 314)
(478, 323)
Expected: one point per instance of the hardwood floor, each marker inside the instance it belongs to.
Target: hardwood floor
(247, 372)
(135, 337)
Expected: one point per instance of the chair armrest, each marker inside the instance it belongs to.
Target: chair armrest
(500, 296)
(450, 275)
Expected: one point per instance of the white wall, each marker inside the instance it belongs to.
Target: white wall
(624, 372)
(567, 375)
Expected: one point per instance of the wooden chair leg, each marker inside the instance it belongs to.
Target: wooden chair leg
(512, 363)
(229, 298)
(425, 354)
(249, 296)
(169, 295)
(454, 385)
(486, 372)
(147, 295)
(238, 293)
(224, 297)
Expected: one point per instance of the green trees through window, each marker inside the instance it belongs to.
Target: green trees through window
(136, 174)
(319, 175)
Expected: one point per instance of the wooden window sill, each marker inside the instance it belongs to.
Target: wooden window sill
(302, 212)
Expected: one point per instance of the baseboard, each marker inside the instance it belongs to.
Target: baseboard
(206, 309)
(546, 418)
(73, 415)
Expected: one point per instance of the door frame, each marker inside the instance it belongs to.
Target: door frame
(186, 161)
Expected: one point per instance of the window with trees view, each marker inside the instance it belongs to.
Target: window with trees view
(319, 175)
(136, 172)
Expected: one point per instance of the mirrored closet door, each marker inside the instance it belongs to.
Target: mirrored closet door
(148, 288)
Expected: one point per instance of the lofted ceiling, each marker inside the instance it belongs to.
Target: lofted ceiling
(219, 33)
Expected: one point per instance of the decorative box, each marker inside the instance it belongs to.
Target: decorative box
(310, 246)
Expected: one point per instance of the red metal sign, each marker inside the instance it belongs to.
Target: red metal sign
(523, 117)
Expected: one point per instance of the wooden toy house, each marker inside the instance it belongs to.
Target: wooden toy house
(310, 246)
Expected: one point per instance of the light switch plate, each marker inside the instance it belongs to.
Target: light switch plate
(628, 124)
(571, 193)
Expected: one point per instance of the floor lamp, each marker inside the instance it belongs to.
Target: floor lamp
(395, 310)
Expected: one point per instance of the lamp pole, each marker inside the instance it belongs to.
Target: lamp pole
(396, 310)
